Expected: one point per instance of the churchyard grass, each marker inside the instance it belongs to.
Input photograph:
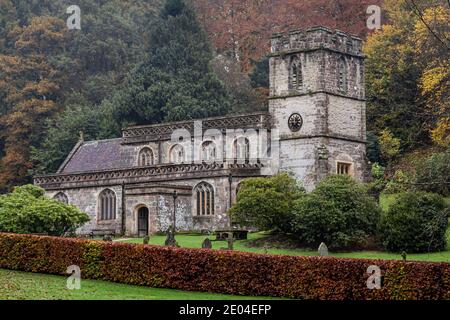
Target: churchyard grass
(15, 285)
(195, 241)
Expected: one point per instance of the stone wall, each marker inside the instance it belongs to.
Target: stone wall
(158, 198)
(334, 120)
(86, 199)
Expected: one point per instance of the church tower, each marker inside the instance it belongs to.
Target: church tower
(317, 103)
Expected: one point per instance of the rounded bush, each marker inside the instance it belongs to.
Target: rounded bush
(415, 222)
(27, 210)
(266, 203)
(338, 212)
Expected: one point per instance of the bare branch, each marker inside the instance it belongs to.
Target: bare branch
(417, 12)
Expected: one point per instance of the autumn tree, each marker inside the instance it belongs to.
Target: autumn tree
(242, 28)
(31, 91)
(96, 59)
(431, 42)
(407, 73)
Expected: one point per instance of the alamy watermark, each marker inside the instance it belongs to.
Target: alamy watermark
(374, 20)
(74, 20)
(74, 281)
(236, 146)
(374, 280)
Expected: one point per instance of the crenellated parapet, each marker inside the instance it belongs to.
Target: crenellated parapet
(316, 38)
(164, 131)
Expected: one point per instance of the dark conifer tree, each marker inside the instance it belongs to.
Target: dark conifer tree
(175, 80)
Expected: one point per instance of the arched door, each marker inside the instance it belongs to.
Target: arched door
(143, 222)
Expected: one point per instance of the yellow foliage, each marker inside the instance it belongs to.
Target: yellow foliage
(389, 145)
(435, 60)
(441, 134)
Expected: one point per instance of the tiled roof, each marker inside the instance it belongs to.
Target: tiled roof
(97, 156)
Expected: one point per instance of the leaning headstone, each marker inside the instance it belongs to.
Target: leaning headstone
(323, 250)
(146, 239)
(170, 240)
(207, 244)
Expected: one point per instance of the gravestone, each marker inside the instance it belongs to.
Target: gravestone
(404, 256)
(146, 239)
(323, 250)
(207, 244)
(170, 240)
(230, 241)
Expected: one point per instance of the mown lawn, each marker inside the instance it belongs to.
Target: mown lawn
(16, 285)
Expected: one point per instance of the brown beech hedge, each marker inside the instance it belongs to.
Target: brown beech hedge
(223, 271)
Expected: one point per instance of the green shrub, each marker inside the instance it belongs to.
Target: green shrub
(433, 174)
(415, 222)
(266, 203)
(338, 212)
(400, 182)
(26, 210)
(376, 187)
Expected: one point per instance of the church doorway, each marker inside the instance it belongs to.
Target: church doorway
(143, 222)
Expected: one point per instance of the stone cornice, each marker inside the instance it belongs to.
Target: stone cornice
(160, 173)
(300, 94)
(328, 136)
(292, 51)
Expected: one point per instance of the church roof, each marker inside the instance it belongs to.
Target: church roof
(96, 156)
(116, 154)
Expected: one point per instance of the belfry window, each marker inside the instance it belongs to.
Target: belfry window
(107, 205)
(296, 75)
(61, 197)
(146, 157)
(204, 193)
(343, 168)
(342, 75)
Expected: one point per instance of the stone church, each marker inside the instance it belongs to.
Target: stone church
(315, 126)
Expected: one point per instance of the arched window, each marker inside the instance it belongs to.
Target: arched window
(107, 205)
(296, 74)
(241, 149)
(204, 193)
(177, 154)
(61, 197)
(146, 157)
(208, 151)
(342, 75)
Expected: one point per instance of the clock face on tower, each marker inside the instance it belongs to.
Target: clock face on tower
(295, 122)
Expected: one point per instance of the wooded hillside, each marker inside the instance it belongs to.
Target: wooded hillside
(147, 61)
(243, 28)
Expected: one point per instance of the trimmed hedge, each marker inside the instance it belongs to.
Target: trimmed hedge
(225, 272)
